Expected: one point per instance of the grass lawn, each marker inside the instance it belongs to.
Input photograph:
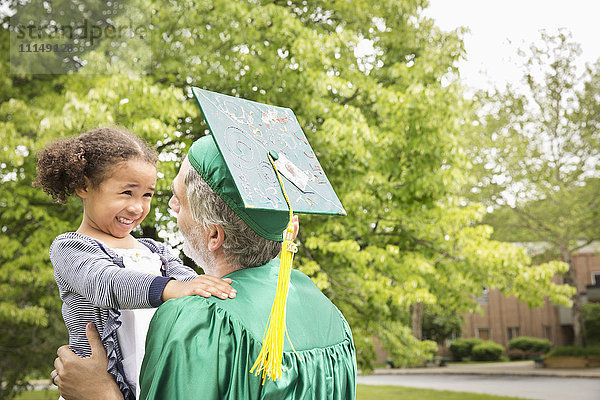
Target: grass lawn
(39, 395)
(364, 392)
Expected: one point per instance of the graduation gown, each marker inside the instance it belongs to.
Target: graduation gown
(204, 348)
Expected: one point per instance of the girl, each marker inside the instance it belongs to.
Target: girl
(104, 274)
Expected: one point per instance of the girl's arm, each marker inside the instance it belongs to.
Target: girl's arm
(203, 285)
(80, 266)
(175, 267)
(188, 282)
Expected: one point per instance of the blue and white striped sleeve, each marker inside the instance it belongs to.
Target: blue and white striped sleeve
(80, 266)
(175, 267)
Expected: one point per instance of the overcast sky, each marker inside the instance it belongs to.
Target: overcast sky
(498, 28)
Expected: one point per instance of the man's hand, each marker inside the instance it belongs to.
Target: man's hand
(204, 285)
(85, 378)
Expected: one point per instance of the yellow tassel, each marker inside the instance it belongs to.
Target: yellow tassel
(270, 357)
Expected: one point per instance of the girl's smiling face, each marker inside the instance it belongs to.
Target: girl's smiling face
(121, 201)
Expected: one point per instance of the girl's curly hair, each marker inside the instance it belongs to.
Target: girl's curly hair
(63, 166)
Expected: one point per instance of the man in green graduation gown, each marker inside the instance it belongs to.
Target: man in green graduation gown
(204, 348)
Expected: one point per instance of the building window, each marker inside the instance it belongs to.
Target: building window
(596, 278)
(513, 332)
(483, 333)
(484, 299)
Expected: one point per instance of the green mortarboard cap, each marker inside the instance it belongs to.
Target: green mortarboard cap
(244, 133)
(206, 159)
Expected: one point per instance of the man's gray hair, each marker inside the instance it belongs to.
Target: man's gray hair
(242, 246)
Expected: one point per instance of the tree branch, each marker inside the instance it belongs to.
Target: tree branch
(349, 99)
(587, 242)
(527, 218)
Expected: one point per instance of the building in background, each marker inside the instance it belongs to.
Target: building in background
(504, 318)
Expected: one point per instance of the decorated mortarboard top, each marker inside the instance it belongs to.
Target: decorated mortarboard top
(246, 132)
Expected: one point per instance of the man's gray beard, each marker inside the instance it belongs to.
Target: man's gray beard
(196, 247)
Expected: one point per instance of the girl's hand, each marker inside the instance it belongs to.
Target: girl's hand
(203, 285)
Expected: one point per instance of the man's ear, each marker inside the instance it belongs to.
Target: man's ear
(216, 236)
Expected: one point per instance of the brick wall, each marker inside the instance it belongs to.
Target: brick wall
(505, 316)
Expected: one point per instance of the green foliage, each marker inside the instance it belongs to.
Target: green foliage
(535, 157)
(487, 351)
(35, 110)
(407, 351)
(462, 348)
(532, 344)
(389, 129)
(591, 321)
(574, 351)
(439, 326)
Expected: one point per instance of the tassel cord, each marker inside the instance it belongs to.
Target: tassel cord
(270, 357)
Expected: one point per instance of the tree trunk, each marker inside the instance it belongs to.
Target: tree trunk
(571, 279)
(416, 311)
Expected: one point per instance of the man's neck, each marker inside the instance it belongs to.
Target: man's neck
(219, 266)
(220, 272)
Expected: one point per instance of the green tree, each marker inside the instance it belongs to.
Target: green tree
(440, 324)
(591, 318)
(386, 125)
(35, 110)
(537, 156)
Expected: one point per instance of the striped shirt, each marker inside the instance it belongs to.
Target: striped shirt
(94, 285)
